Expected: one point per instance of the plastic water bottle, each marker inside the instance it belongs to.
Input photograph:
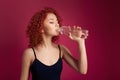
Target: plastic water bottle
(66, 30)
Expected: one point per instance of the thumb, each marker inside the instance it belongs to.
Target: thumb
(70, 36)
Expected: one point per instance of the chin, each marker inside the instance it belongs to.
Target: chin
(56, 34)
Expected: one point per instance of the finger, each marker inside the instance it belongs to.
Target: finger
(83, 34)
(70, 36)
(86, 31)
(86, 34)
(74, 27)
(85, 37)
(69, 28)
(78, 28)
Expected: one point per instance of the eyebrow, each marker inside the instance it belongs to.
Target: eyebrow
(51, 19)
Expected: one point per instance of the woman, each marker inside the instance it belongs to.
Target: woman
(44, 57)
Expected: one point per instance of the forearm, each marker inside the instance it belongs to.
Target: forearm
(82, 61)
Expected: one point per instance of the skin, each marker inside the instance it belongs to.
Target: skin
(48, 52)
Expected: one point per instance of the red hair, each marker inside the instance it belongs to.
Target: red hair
(35, 26)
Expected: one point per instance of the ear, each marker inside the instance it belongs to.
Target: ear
(42, 31)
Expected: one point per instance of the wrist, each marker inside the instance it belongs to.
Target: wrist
(81, 41)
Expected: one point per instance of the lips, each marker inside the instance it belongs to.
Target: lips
(57, 31)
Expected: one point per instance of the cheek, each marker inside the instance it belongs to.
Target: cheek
(48, 30)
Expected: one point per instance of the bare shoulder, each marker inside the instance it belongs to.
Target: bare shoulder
(28, 54)
(63, 47)
(64, 50)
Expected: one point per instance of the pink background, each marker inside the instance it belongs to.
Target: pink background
(98, 16)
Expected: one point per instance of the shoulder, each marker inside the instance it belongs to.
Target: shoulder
(64, 50)
(28, 52)
(28, 55)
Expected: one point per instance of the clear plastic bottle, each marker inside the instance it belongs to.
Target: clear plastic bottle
(66, 30)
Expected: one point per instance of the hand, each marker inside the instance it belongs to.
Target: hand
(77, 34)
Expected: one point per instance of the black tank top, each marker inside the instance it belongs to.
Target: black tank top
(41, 71)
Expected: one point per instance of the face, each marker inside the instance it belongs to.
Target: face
(51, 25)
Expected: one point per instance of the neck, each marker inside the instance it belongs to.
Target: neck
(47, 42)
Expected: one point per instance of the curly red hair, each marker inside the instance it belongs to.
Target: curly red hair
(35, 26)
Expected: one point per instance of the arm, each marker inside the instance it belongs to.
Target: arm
(82, 61)
(79, 64)
(26, 61)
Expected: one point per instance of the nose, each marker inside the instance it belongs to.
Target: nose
(57, 25)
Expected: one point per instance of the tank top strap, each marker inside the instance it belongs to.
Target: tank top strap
(59, 51)
(34, 52)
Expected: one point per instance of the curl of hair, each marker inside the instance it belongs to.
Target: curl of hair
(35, 26)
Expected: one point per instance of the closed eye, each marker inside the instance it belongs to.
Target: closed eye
(51, 22)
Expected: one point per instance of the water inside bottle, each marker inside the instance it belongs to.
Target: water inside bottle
(66, 30)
